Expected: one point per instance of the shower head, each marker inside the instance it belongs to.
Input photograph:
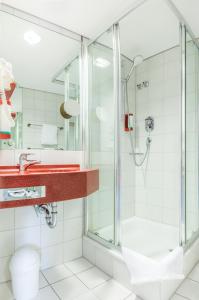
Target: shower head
(137, 60)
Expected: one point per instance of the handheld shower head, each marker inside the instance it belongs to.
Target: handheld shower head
(138, 60)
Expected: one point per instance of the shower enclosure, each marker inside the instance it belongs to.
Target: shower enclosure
(141, 131)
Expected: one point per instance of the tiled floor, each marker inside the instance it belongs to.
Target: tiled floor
(189, 289)
(76, 280)
(80, 280)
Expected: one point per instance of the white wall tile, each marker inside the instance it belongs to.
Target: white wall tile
(89, 250)
(73, 229)
(26, 217)
(73, 208)
(6, 219)
(72, 250)
(6, 157)
(51, 236)
(36, 154)
(6, 243)
(61, 157)
(51, 256)
(29, 236)
(104, 261)
(158, 179)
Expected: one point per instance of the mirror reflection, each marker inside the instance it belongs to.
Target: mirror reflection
(39, 87)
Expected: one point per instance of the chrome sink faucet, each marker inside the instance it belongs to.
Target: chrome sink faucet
(24, 162)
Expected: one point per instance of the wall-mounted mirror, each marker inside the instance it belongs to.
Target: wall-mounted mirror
(45, 66)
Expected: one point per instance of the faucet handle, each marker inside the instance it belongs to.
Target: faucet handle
(24, 156)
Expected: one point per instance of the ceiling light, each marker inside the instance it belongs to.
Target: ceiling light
(102, 62)
(32, 37)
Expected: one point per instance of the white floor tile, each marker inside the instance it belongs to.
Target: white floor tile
(69, 288)
(178, 297)
(79, 265)
(93, 277)
(5, 291)
(46, 293)
(133, 297)
(189, 289)
(194, 275)
(56, 273)
(42, 281)
(87, 296)
(111, 290)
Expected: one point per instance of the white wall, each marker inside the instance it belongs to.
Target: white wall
(21, 226)
(40, 108)
(156, 192)
(158, 182)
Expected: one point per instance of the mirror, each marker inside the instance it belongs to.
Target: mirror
(46, 76)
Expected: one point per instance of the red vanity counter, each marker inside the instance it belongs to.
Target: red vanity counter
(60, 182)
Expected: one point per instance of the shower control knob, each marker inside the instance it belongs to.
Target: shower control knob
(149, 124)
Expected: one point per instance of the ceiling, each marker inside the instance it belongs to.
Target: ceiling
(189, 9)
(86, 17)
(142, 33)
(92, 17)
(148, 30)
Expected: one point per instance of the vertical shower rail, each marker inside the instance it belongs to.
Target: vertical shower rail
(117, 116)
(182, 225)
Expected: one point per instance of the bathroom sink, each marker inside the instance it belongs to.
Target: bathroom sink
(52, 169)
(61, 182)
(14, 170)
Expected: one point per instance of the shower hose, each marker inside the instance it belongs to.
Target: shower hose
(148, 140)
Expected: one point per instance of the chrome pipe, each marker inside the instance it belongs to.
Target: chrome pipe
(117, 117)
(50, 212)
(182, 221)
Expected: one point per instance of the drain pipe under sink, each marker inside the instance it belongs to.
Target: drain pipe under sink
(50, 212)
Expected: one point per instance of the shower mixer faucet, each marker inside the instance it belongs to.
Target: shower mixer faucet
(149, 124)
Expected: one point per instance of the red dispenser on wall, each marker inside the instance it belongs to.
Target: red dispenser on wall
(128, 122)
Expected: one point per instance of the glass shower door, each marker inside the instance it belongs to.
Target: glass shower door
(100, 206)
(191, 131)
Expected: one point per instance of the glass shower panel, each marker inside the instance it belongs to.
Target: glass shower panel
(101, 136)
(72, 92)
(150, 141)
(192, 204)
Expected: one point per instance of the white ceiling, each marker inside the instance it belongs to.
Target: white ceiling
(190, 10)
(148, 30)
(92, 17)
(87, 17)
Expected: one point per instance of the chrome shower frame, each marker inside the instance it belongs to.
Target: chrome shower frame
(183, 28)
